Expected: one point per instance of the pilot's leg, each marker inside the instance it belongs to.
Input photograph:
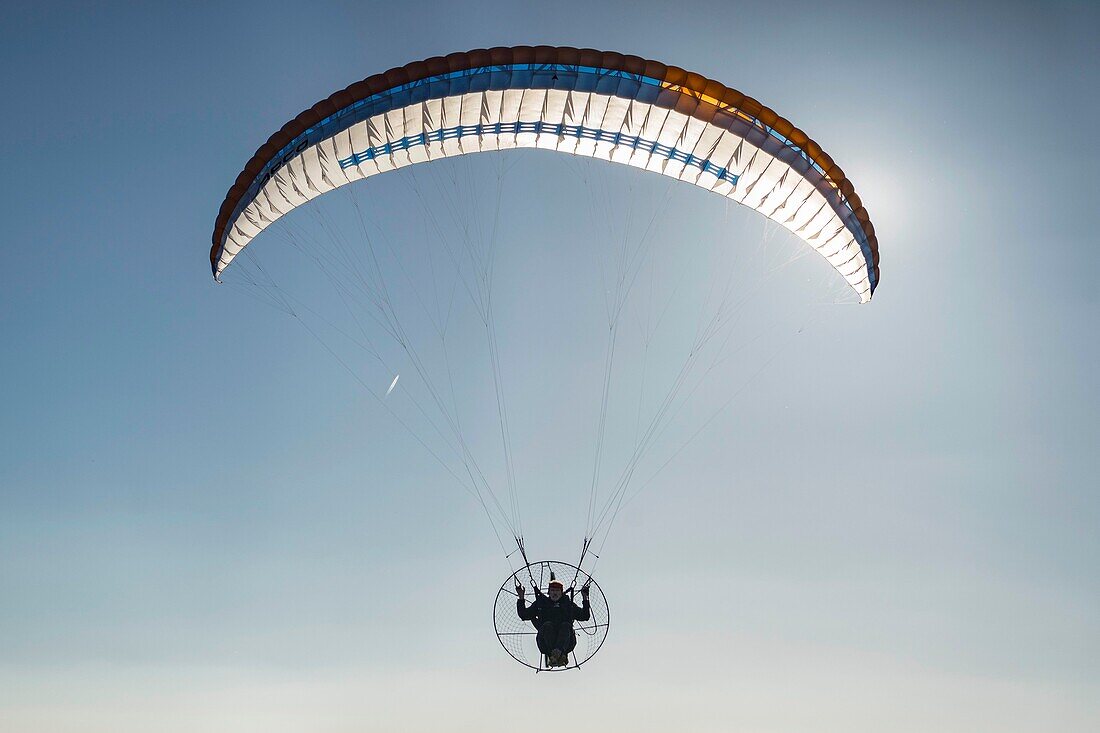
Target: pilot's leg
(547, 637)
(566, 638)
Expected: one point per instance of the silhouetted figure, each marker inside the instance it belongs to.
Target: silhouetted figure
(553, 615)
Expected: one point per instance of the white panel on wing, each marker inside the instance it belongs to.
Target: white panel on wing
(313, 167)
(652, 123)
(492, 102)
(285, 195)
(614, 114)
(470, 116)
(787, 213)
(451, 117)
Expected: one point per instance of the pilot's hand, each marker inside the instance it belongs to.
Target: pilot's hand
(585, 590)
(520, 590)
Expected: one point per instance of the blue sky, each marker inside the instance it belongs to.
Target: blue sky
(205, 524)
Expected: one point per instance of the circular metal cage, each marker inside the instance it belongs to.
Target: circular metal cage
(518, 636)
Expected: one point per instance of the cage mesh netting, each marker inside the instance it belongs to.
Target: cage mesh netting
(518, 636)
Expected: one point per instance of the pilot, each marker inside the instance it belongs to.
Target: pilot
(553, 615)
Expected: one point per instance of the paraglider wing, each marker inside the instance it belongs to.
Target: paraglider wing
(617, 108)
